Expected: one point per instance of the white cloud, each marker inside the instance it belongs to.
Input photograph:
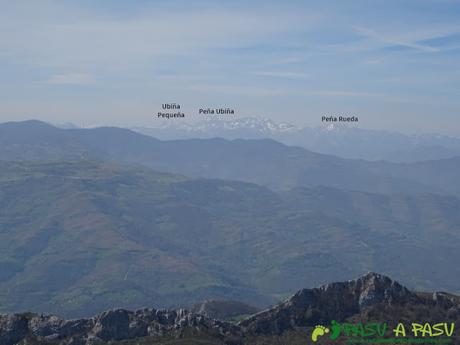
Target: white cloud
(289, 75)
(409, 38)
(61, 38)
(237, 90)
(71, 79)
(343, 93)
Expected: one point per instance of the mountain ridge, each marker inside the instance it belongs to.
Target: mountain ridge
(344, 301)
(336, 139)
(264, 161)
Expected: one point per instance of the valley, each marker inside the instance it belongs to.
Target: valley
(78, 237)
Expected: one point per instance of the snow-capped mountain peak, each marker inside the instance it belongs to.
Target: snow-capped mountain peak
(257, 124)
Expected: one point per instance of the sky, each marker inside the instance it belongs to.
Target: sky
(393, 64)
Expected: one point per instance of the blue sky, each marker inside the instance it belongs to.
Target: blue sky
(394, 64)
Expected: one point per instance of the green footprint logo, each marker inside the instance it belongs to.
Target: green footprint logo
(319, 331)
(336, 329)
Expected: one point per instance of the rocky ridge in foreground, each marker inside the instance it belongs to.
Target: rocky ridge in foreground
(371, 297)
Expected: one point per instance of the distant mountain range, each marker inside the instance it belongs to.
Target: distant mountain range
(262, 161)
(80, 237)
(370, 301)
(93, 218)
(339, 140)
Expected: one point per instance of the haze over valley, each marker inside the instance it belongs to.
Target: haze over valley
(93, 218)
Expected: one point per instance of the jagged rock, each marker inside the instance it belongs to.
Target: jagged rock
(362, 298)
(117, 325)
(13, 328)
(223, 309)
(109, 326)
(336, 301)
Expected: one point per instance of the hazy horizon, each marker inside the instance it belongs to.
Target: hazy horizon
(166, 124)
(394, 64)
